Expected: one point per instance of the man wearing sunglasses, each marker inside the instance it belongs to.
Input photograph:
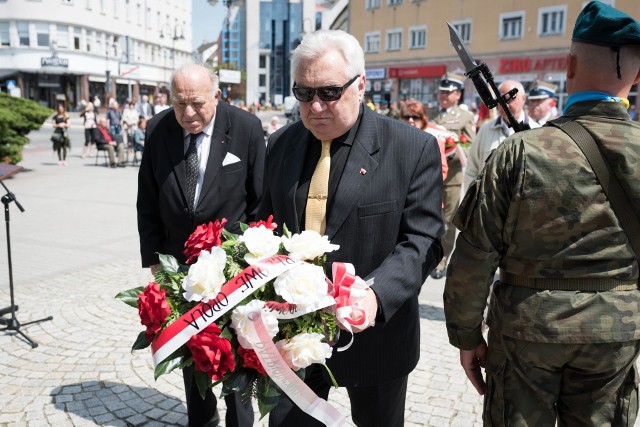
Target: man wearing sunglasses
(379, 198)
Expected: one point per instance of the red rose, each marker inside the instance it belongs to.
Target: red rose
(212, 354)
(153, 309)
(204, 238)
(268, 223)
(463, 138)
(250, 360)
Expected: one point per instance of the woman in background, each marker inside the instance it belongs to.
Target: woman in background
(90, 123)
(60, 136)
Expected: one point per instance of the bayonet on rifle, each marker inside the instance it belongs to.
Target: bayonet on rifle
(481, 75)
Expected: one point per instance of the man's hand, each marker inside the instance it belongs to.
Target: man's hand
(472, 361)
(155, 268)
(370, 306)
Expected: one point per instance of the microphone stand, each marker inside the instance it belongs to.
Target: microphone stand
(12, 324)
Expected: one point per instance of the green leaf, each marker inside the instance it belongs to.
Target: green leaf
(229, 235)
(168, 365)
(268, 395)
(141, 342)
(243, 227)
(130, 297)
(203, 381)
(168, 263)
(238, 380)
(285, 231)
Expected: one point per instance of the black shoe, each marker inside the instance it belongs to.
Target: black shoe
(121, 165)
(113, 165)
(438, 274)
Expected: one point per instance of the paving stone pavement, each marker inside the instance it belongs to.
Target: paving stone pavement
(73, 248)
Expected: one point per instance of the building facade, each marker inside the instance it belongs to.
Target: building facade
(71, 50)
(259, 38)
(407, 48)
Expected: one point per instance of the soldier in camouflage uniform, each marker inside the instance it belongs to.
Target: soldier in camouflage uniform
(460, 122)
(564, 318)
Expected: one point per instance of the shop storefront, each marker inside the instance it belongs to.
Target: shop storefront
(418, 82)
(377, 87)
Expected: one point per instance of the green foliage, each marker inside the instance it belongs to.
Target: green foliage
(18, 117)
(130, 297)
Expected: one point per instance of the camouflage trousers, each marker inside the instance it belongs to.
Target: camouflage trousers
(536, 384)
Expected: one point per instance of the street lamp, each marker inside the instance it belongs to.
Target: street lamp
(107, 83)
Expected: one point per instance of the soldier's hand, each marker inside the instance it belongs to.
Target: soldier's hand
(472, 361)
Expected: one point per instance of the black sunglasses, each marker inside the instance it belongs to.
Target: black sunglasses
(325, 93)
(411, 117)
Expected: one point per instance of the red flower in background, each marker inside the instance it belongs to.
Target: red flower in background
(204, 238)
(250, 360)
(153, 309)
(212, 354)
(268, 223)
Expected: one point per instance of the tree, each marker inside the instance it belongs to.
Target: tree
(18, 117)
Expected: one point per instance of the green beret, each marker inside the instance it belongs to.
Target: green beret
(601, 24)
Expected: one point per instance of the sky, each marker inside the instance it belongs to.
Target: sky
(207, 21)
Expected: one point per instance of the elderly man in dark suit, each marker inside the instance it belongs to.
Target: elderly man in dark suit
(374, 186)
(203, 160)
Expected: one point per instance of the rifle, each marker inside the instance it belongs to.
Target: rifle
(481, 75)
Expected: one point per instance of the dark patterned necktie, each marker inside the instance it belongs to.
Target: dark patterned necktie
(191, 165)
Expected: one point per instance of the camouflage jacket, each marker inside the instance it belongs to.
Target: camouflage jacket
(537, 210)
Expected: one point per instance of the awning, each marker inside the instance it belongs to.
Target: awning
(7, 73)
(100, 79)
(148, 83)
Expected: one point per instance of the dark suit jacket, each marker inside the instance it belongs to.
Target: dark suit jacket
(387, 222)
(232, 191)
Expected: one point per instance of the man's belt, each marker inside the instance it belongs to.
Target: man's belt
(571, 284)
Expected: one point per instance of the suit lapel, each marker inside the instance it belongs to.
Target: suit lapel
(290, 174)
(220, 139)
(359, 169)
(174, 142)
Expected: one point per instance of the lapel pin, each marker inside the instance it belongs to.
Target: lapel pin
(363, 171)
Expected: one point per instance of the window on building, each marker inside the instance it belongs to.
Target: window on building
(511, 25)
(139, 14)
(89, 4)
(147, 18)
(99, 49)
(158, 20)
(42, 34)
(262, 80)
(23, 33)
(394, 2)
(372, 42)
(372, 4)
(116, 9)
(62, 36)
(418, 37)
(89, 41)
(103, 9)
(4, 34)
(394, 39)
(263, 61)
(551, 20)
(464, 29)
(77, 36)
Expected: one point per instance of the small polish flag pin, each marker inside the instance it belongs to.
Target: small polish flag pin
(363, 171)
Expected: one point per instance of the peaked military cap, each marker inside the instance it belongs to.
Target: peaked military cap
(451, 82)
(601, 24)
(542, 90)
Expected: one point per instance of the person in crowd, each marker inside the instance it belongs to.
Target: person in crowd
(90, 122)
(460, 122)
(394, 111)
(61, 143)
(130, 121)
(541, 101)
(413, 113)
(162, 103)
(493, 133)
(104, 141)
(139, 134)
(203, 160)
(374, 187)
(144, 107)
(96, 103)
(114, 117)
(274, 125)
(563, 334)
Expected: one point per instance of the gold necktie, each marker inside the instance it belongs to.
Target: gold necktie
(316, 211)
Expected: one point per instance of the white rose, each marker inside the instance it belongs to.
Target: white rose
(260, 242)
(303, 285)
(303, 350)
(241, 323)
(206, 276)
(308, 245)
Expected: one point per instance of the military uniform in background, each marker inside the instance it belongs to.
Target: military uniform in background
(538, 211)
(460, 122)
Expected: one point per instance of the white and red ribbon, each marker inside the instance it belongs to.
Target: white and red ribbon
(349, 292)
(287, 380)
(231, 294)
